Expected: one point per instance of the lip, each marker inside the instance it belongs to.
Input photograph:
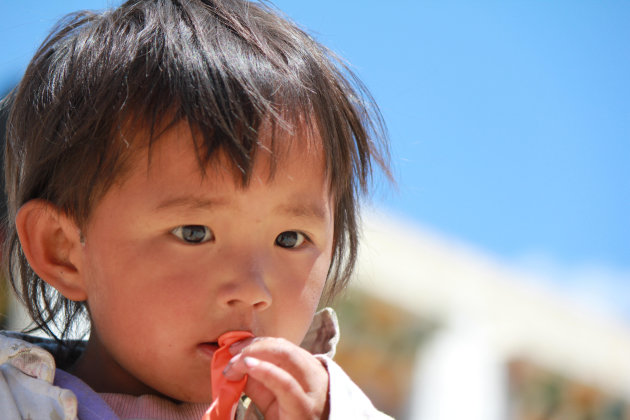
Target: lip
(208, 348)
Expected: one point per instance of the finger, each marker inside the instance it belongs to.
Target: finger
(286, 355)
(290, 362)
(276, 392)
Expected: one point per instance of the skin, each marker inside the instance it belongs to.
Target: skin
(158, 303)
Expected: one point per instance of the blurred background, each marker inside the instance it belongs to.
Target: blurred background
(494, 278)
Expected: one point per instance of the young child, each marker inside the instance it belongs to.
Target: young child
(178, 169)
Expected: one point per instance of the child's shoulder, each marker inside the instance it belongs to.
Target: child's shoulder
(27, 371)
(322, 336)
(64, 353)
(24, 353)
(346, 399)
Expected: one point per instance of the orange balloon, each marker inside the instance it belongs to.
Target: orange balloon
(225, 394)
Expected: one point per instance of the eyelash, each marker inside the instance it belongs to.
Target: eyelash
(185, 232)
(301, 239)
(181, 234)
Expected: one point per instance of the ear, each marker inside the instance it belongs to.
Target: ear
(51, 242)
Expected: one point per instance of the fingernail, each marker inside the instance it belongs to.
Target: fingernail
(228, 367)
(251, 362)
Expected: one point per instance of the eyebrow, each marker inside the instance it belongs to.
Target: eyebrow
(190, 202)
(304, 210)
(299, 210)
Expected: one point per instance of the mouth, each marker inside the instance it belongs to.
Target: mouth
(208, 348)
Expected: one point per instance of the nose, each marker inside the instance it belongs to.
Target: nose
(246, 287)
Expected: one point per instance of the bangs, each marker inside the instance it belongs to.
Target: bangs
(227, 73)
(229, 84)
(271, 140)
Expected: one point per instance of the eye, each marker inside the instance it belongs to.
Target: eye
(194, 234)
(290, 239)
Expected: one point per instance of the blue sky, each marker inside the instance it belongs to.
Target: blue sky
(509, 120)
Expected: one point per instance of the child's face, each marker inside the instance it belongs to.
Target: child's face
(173, 259)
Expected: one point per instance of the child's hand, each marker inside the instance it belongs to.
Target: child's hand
(285, 381)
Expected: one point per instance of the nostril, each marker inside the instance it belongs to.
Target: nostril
(259, 306)
(250, 291)
(264, 304)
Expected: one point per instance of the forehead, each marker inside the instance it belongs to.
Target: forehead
(180, 147)
(168, 179)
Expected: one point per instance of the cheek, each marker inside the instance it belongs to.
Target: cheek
(318, 275)
(297, 296)
(125, 288)
(306, 276)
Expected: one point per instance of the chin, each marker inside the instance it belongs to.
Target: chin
(203, 394)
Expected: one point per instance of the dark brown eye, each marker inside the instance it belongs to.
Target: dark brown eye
(193, 234)
(290, 239)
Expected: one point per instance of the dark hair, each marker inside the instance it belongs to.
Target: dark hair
(223, 66)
